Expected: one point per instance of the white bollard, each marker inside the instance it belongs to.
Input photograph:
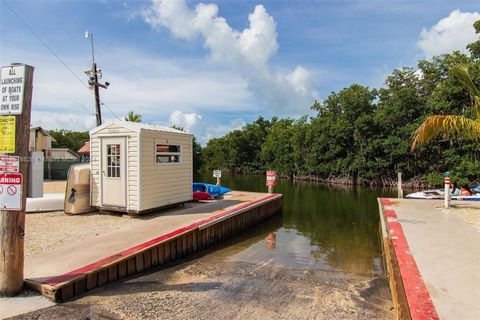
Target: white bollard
(447, 192)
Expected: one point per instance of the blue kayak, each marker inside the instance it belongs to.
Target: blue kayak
(205, 191)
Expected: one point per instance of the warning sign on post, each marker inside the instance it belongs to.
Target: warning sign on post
(11, 191)
(271, 178)
(12, 88)
(7, 134)
(9, 163)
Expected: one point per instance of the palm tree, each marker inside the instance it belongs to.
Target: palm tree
(133, 117)
(452, 126)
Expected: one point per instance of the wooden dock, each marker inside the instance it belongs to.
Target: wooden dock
(72, 270)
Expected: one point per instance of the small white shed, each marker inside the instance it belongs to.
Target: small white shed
(137, 167)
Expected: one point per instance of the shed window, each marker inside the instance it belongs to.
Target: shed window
(113, 160)
(167, 153)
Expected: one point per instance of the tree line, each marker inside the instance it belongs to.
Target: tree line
(362, 135)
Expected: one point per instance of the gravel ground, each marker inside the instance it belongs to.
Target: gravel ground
(214, 287)
(50, 230)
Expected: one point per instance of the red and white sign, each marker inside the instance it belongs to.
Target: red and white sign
(11, 191)
(9, 163)
(271, 178)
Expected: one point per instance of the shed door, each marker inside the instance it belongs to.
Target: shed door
(114, 192)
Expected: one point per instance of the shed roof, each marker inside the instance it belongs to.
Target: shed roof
(85, 148)
(42, 131)
(137, 127)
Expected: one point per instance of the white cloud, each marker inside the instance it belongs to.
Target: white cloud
(248, 52)
(185, 120)
(149, 85)
(202, 128)
(62, 120)
(451, 33)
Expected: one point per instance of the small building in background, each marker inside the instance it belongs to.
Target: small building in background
(64, 154)
(84, 151)
(138, 167)
(41, 141)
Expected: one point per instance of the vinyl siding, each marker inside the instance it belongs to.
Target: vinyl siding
(164, 184)
(132, 182)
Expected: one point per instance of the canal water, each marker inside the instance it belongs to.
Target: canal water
(319, 259)
(329, 228)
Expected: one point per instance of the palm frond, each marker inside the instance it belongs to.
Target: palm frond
(462, 72)
(457, 127)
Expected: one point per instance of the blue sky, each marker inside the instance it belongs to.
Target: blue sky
(213, 66)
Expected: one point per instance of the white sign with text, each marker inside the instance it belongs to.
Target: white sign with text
(12, 81)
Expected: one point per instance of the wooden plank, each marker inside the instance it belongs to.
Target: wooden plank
(173, 249)
(179, 247)
(184, 245)
(190, 242)
(154, 255)
(80, 286)
(49, 292)
(92, 280)
(194, 240)
(131, 266)
(102, 276)
(162, 253)
(167, 248)
(122, 269)
(113, 273)
(147, 259)
(140, 264)
(66, 292)
(206, 238)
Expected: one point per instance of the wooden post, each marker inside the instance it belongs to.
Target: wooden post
(399, 185)
(12, 223)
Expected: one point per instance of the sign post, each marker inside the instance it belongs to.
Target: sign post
(217, 174)
(15, 107)
(271, 178)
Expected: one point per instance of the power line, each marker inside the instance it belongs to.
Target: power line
(54, 53)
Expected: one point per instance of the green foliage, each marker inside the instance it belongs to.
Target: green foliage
(133, 117)
(73, 140)
(364, 134)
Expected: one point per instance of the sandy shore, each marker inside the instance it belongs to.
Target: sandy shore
(467, 211)
(215, 287)
(54, 186)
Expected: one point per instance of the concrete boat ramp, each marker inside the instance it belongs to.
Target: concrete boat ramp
(433, 258)
(69, 270)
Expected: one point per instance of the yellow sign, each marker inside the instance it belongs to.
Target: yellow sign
(7, 134)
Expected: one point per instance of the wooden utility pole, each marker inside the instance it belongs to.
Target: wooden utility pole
(98, 112)
(12, 223)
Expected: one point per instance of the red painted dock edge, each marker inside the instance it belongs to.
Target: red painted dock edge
(419, 301)
(103, 262)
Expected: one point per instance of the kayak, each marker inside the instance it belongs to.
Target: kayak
(206, 191)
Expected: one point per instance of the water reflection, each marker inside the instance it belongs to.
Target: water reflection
(325, 228)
